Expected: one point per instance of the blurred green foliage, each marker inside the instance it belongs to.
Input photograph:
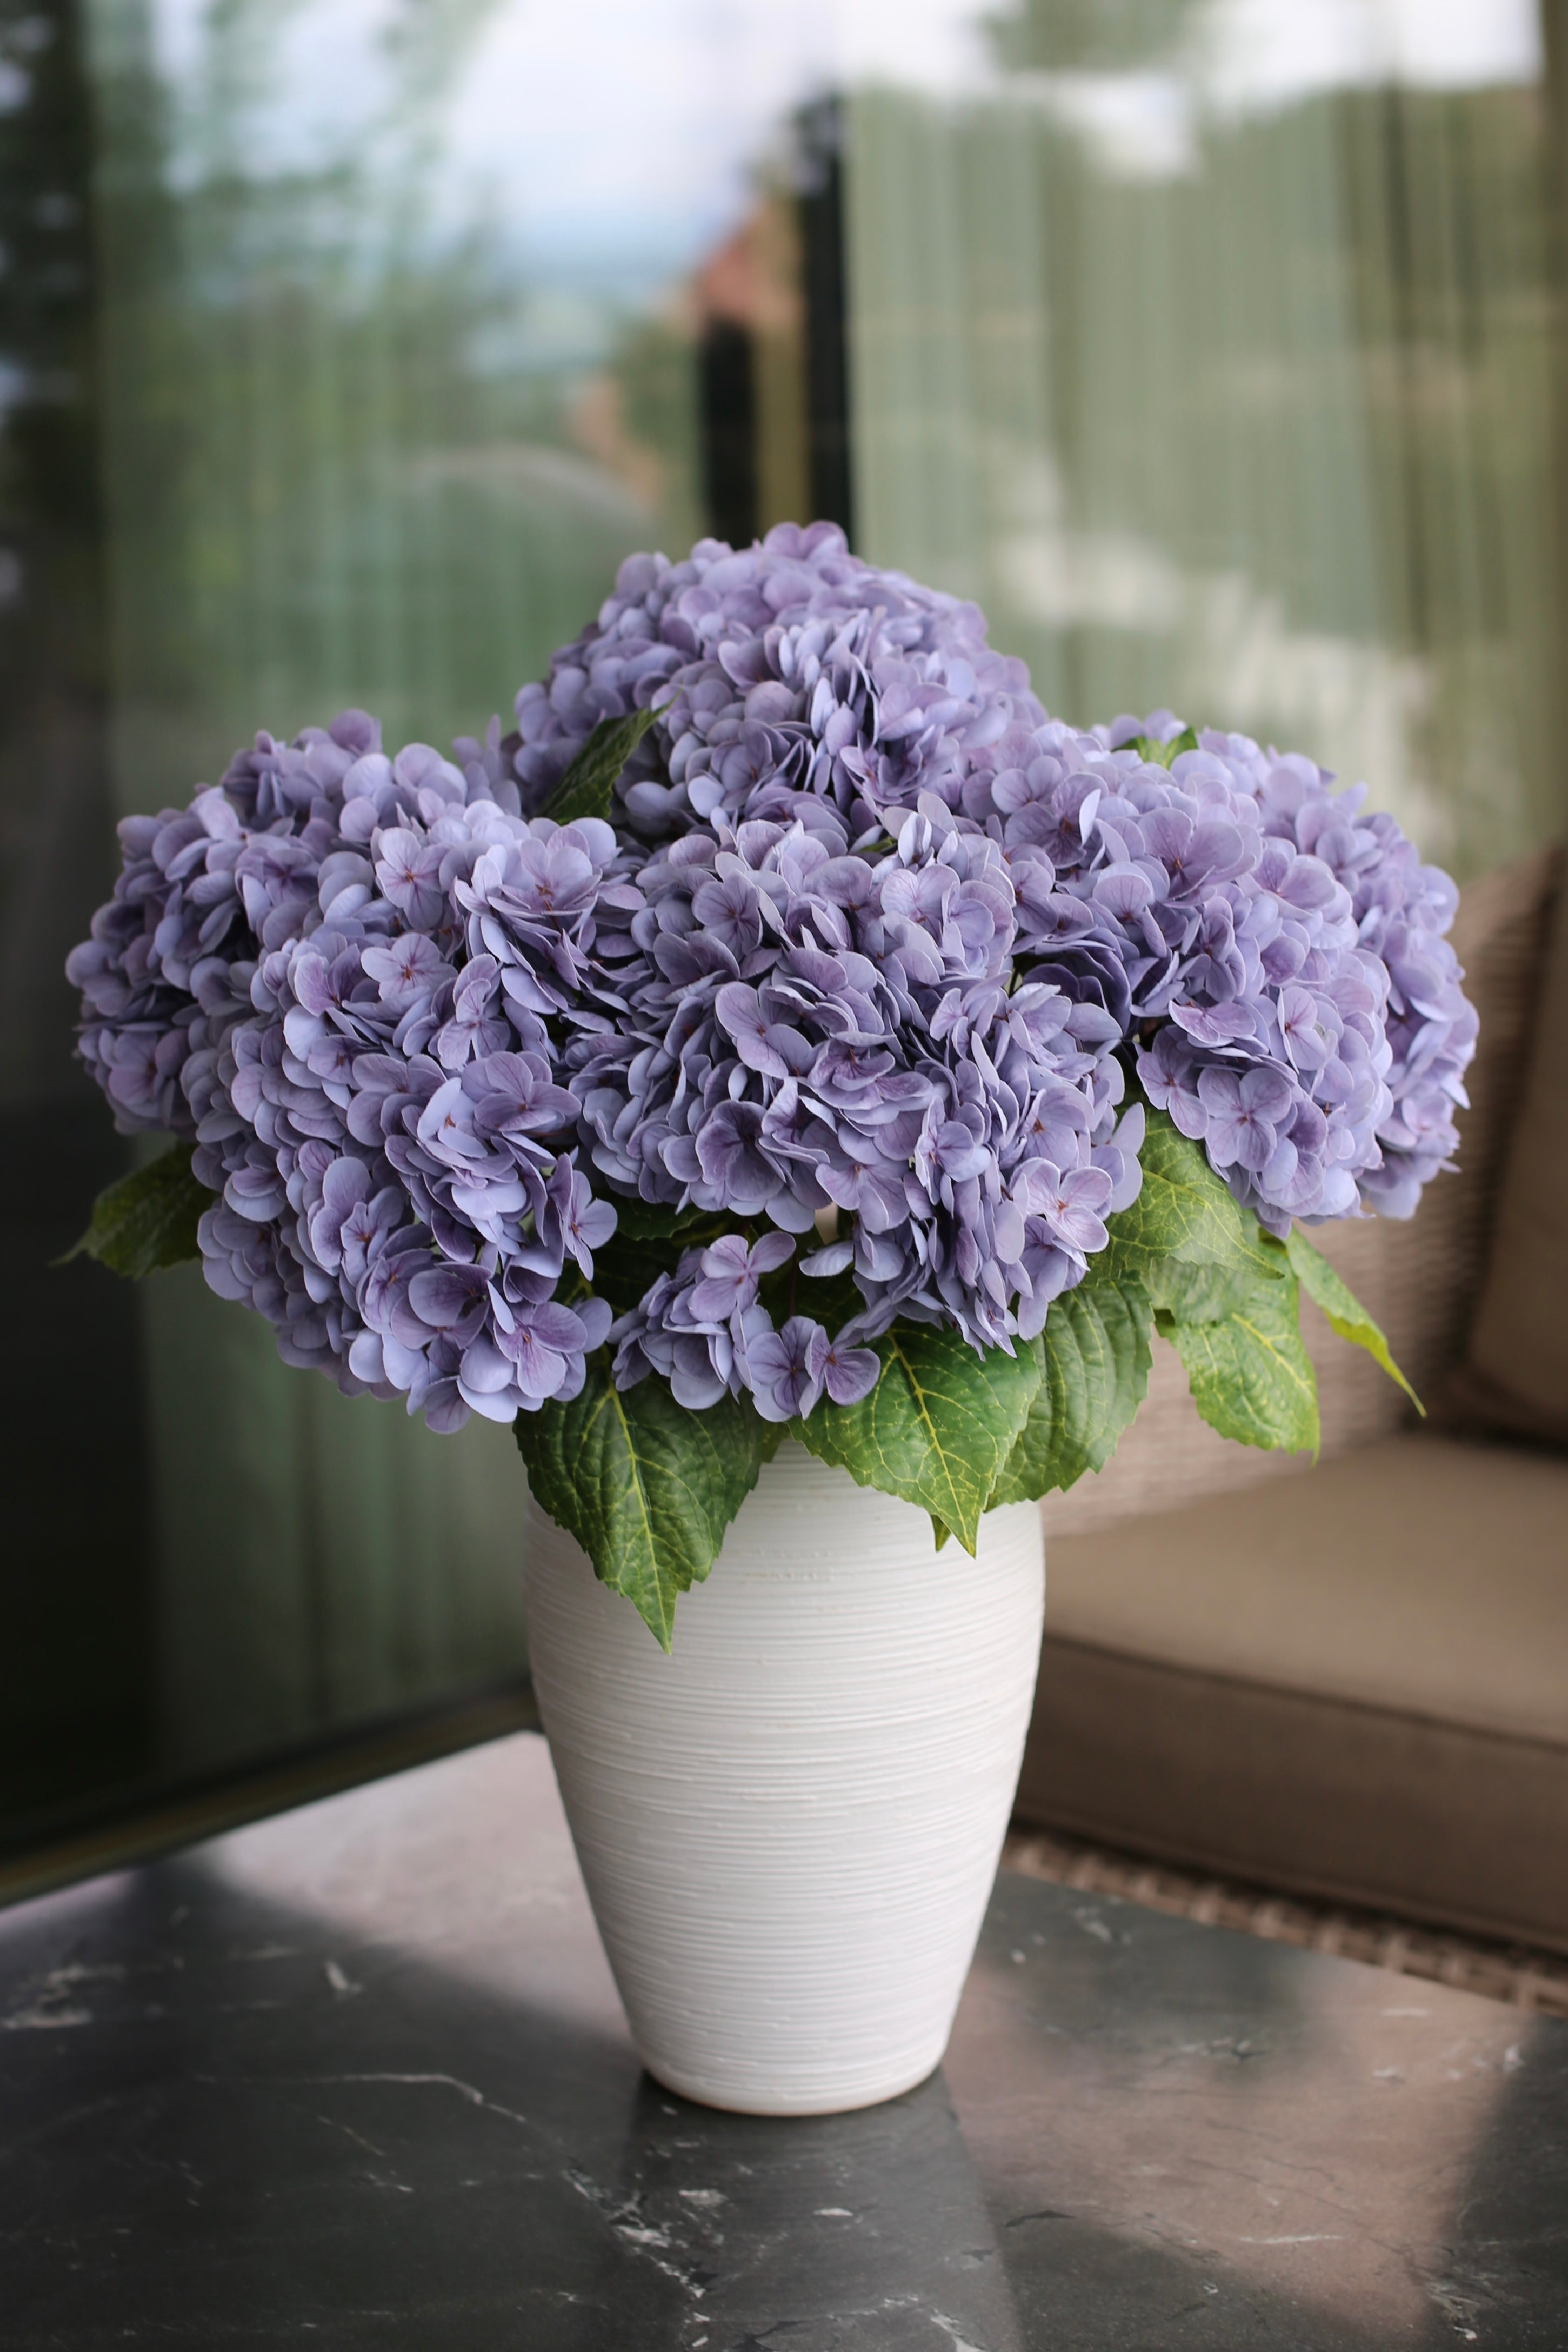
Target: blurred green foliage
(352, 454)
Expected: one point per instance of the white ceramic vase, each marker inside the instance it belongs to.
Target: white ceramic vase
(790, 1827)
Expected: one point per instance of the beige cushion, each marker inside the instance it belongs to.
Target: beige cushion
(1357, 1687)
(1515, 1378)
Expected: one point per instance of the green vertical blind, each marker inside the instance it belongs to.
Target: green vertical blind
(1247, 410)
(1226, 389)
(353, 453)
(356, 451)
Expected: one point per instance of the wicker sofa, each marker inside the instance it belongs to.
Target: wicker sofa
(1351, 1679)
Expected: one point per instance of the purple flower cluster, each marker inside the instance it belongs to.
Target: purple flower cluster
(786, 673)
(1292, 999)
(703, 1327)
(1278, 957)
(200, 889)
(867, 956)
(812, 1036)
(374, 1100)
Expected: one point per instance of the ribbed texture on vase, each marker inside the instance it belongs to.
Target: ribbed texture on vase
(789, 1827)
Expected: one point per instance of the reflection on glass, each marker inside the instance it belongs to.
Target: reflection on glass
(1210, 347)
(347, 345)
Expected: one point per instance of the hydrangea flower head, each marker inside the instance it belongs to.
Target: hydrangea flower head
(811, 1033)
(1290, 996)
(784, 673)
(857, 977)
(286, 977)
(1231, 910)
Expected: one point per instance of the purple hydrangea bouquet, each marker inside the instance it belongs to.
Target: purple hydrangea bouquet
(788, 1027)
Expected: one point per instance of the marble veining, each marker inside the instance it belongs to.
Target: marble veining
(359, 2073)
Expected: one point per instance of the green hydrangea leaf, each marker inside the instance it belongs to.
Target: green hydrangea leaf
(651, 1221)
(1149, 747)
(937, 1428)
(1197, 1252)
(1096, 1348)
(588, 787)
(627, 1266)
(1250, 1373)
(1204, 1294)
(647, 1488)
(1345, 1311)
(148, 1219)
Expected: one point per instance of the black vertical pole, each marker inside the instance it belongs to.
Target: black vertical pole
(76, 1591)
(821, 218)
(726, 397)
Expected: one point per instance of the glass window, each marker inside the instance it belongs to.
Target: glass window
(346, 346)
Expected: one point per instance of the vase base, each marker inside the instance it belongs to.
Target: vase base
(745, 2101)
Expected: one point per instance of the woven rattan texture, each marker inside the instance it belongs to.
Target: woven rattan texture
(1532, 1981)
(1418, 1279)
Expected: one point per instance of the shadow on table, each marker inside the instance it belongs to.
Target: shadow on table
(1192, 2136)
(226, 2119)
(1504, 2280)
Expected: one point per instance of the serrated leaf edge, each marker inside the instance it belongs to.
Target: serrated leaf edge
(1207, 1334)
(666, 1578)
(579, 767)
(810, 1431)
(970, 1539)
(1363, 1333)
(87, 1246)
(664, 1630)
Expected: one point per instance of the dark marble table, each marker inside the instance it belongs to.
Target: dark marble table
(359, 2075)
